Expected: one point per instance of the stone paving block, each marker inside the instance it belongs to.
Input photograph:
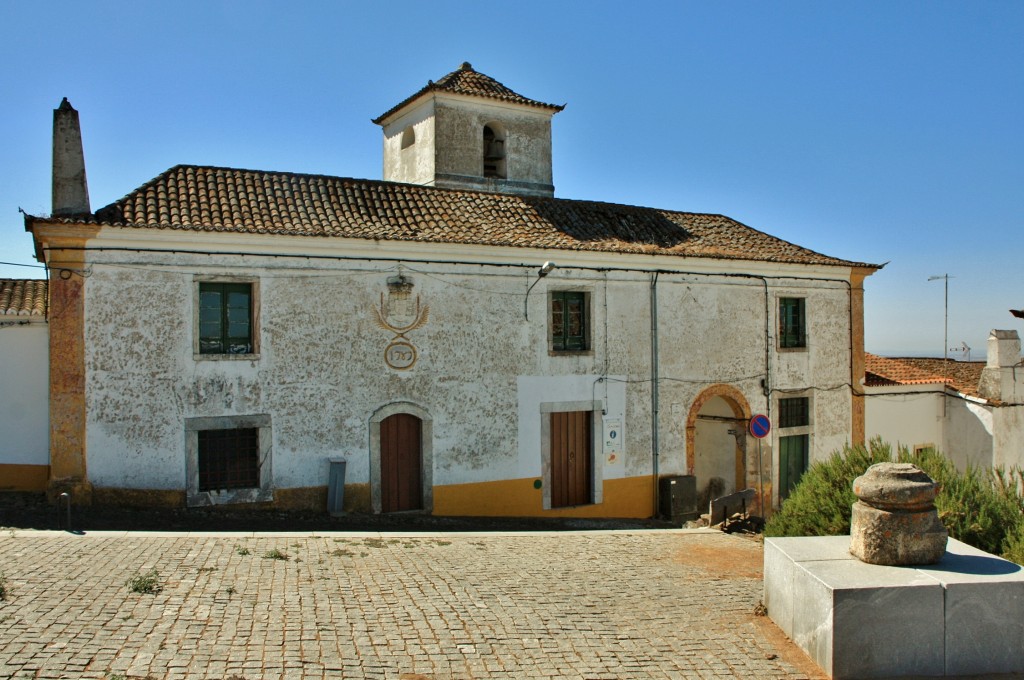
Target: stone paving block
(601, 605)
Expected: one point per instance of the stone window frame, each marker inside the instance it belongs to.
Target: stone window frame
(254, 316)
(588, 324)
(596, 409)
(802, 347)
(263, 494)
(795, 431)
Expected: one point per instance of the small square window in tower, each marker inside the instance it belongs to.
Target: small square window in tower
(569, 322)
(494, 153)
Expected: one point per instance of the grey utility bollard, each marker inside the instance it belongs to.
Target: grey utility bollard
(336, 487)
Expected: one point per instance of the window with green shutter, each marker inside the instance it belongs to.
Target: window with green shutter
(225, 318)
(569, 331)
(792, 323)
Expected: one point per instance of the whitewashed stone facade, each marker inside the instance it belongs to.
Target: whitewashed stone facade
(371, 300)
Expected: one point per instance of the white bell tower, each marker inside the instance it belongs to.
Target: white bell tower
(468, 131)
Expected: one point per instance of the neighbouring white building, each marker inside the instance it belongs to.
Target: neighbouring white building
(24, 382)
(972, 411)
(468, 343)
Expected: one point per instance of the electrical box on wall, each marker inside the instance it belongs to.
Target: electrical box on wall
(677, 496)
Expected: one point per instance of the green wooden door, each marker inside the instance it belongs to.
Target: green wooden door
(793, 453)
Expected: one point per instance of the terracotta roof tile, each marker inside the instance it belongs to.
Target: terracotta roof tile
(962, 376)
(22, 297)
(199, 198)
(466, 81)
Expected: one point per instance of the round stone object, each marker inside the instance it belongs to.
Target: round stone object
(895, 521)
(895, 486)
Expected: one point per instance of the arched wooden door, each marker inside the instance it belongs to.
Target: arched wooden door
(401, 485)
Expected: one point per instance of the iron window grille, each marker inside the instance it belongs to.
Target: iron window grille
(794, 412)
(229, 459)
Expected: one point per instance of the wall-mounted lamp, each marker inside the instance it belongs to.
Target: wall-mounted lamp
(545, 269)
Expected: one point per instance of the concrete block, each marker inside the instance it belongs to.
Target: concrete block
(961, 616)
(781, 559)
(857, 620)
(984, 611)
(726, 506)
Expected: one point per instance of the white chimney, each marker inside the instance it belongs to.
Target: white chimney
(1003, 375)
(70, 189)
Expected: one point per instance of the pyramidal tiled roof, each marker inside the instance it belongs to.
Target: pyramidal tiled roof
(466, 81)
(197, 198)
(22, 297)
(962, 376)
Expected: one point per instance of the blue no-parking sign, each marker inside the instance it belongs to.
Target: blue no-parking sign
(760, 426)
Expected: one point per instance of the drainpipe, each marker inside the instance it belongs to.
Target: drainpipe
(654, 388)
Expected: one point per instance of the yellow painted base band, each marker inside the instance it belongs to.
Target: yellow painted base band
(24, 477)
(314, 498)
(632, 497)
(138, 498)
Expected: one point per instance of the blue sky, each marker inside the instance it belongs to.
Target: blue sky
(872, 131)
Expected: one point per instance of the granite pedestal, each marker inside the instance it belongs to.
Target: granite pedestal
(961, 616)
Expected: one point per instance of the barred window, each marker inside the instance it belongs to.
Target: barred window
(794, 412)
(229, 459)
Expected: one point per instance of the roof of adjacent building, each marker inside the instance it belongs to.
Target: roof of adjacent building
(197, 198)
(963, 376)
(466, 81)
(22, 297)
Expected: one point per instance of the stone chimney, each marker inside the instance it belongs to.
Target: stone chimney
(70, 190)
(1003, 375)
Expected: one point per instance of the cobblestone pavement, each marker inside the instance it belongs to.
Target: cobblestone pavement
(621, 604)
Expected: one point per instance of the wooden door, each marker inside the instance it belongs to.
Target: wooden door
(570, 459)
(401, 486)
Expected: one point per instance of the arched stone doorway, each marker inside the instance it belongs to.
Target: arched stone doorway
(716, 438)
(401, 459)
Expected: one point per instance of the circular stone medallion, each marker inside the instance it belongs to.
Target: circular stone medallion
(400, 355)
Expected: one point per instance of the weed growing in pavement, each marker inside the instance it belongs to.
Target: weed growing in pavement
(241, 550)
(146, 584)
(230, 590)
(3, 587)
(275, 554)
(338, 552)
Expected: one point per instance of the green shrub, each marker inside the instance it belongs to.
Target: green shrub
(822, 502)
(982, 508)
(1013, 546)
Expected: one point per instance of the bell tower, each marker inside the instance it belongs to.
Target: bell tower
(468, 131)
